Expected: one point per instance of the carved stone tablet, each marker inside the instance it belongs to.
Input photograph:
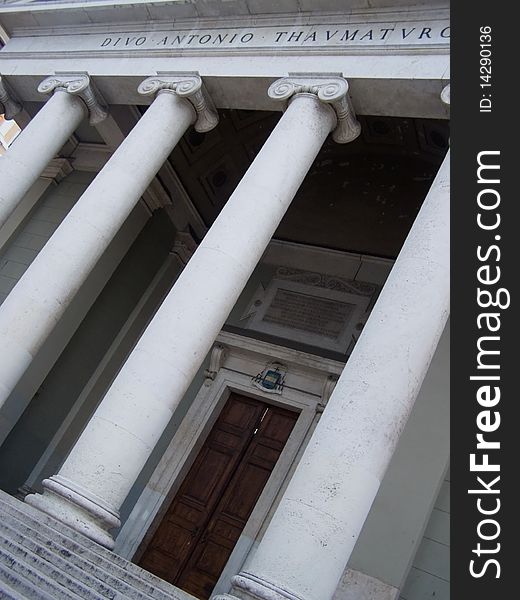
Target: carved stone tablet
(316, 315)
(309, 314)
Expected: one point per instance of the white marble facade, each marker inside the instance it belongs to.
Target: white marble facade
(82, 187)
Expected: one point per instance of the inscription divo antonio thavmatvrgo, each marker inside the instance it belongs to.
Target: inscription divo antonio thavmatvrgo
(312, 36)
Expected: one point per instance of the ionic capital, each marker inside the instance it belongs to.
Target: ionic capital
(188, 86)
(9, 106)
(445, 95)
(331, 90)
(79, 85)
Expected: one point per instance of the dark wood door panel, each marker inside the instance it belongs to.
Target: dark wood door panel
(204, 521)
(238, 502)
(245, 492)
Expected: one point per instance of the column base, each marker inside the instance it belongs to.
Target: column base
(356, 585)
(246, 586)
(78, 508)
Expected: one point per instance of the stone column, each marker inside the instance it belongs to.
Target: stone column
(41, 296)
(72, 99)
(309, 541)
(102, 467)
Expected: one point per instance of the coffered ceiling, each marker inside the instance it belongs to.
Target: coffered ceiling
(360, 197)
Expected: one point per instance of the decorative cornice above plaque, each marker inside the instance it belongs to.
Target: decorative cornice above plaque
(330, 282)
(190, 87)
(9, 106)
(331, 90)
(79, 85)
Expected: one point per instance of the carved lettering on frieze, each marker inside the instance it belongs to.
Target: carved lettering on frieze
(436, 32)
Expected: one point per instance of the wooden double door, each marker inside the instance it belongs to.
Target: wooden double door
(203, 523)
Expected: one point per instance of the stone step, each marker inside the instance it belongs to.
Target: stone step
(41, 557)
(73, 564)
(23, 572)
(79, 544)
(8, 593)
(12, 587)
(59, 568)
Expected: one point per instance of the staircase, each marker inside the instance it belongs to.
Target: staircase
(42, 559)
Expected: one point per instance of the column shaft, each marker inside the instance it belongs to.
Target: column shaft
(35, 146)
(114, 447)
(41, 296)
(308, 543)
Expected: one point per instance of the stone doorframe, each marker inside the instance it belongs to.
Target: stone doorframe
(235, 361)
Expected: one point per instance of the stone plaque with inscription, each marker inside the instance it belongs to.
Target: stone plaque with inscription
(310, 314)
(321, 316)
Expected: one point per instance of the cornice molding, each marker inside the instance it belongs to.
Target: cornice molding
(57, 169)
(77, 23)
(331, 90)
(188, 86)
(78, 84)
